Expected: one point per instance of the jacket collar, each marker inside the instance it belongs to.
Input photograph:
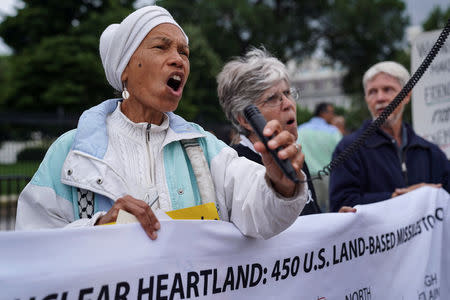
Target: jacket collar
(92, 138)
(180, 129)
(380, 137)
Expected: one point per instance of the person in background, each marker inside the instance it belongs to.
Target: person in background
(394, 160)
(319, 138)
(135, 154)
(259, 78)
(339, 122)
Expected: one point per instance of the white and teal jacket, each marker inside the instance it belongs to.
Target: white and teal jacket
(76, 161)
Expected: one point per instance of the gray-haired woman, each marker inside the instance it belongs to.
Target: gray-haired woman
(259, 78)
(133, 154)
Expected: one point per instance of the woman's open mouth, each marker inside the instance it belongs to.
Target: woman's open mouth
(290, 121)
(174, 82)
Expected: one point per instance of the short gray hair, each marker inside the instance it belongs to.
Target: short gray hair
(244, 80)
(391, 68)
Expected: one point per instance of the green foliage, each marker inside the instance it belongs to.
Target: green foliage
(403, 58)
(360, 33)
(285, 27)
(5, 73)
(32, 154)
(339, 110)
(437, 19)
(303, 115)
(46, 18)
(199, 100)
(225, 29)
(357, 113)
(60, 71)
(56, 63)
(27, 168)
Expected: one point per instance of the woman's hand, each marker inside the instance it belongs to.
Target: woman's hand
(281, 183)
(347, 209)
(139, 209)
(401, 191)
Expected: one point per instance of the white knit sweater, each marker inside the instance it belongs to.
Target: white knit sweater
(135, 152)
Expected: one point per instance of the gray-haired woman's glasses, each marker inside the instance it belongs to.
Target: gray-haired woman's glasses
(276, 99)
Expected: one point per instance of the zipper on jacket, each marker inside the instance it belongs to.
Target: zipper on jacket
(404, 168)
(155, 196)
(149, 152)
(151, 197)
(149, 126)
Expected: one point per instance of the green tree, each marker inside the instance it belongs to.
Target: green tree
(437, 19)
(199, 102)
(225, 28)
(55, 63)
(61, 71)
(303, 115)
(5, 73)
(287, 28)
(360, 33)
(45, 18)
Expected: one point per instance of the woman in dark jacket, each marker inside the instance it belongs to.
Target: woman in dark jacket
(259, 78)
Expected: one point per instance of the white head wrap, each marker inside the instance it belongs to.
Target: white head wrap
(119, 41)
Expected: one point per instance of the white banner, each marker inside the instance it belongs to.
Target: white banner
(431, 95)
(396, 249)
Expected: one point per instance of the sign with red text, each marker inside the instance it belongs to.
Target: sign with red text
(396, 249)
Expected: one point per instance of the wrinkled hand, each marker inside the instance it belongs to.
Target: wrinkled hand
(139, 209)
(281, 183)
(401, 191)
(347, 209)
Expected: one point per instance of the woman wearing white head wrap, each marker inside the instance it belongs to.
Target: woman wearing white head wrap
(134, 154)
(119, 41)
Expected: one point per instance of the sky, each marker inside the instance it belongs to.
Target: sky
(6, 8)
(417, 10)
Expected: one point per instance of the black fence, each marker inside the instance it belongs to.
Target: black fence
(24, 139)
(10, 188)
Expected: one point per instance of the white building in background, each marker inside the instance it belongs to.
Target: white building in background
(317, 83)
